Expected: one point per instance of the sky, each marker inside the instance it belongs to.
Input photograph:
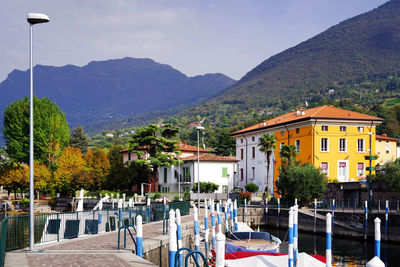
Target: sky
(195, 37)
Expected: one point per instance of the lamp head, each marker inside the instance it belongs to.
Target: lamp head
(198, 127)
(35, 18)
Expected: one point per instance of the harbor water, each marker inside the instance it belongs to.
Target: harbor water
(346, 252)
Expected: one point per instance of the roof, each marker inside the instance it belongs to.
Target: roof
(211, 157)
(385, 138)
(323, 112)
(182, 147)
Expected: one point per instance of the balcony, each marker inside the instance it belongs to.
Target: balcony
(185, 180)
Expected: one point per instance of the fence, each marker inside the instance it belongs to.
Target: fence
(3, 229)
(67, 225)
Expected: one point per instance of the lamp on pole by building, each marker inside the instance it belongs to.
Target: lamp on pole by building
(32, 18)
(198, 164)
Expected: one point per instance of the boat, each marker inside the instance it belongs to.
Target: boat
(252, 242)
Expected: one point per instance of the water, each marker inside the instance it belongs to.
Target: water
(346, 252)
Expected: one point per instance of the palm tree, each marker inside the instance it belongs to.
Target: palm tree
(267, 145)
(288, 154)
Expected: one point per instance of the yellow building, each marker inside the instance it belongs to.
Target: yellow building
(386, 149)
(333, 139)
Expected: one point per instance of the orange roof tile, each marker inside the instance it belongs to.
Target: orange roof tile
(384, 137)
(210, 157)
(323, 112)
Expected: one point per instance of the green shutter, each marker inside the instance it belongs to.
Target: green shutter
(224, 172)
(165, 175)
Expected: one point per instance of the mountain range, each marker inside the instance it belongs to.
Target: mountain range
(112, 89)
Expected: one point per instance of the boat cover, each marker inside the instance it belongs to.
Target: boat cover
(303, 260)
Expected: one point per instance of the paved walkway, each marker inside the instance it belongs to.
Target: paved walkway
(98, 250)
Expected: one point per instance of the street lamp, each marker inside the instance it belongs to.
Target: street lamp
(32, 18)
(198, 165)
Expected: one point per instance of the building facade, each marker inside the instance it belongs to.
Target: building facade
(386, 149)
(332, 139)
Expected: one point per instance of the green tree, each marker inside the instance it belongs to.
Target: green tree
(79, 139)
(224, 144)
(51, 132)
(252, 188)
(154, 145)
(390, 175)
(120, 176)
(304, 182)
(206, 187)
(267, 145)
(288, 154)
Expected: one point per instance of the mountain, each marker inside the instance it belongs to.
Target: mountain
(112, 89)
(365, 45)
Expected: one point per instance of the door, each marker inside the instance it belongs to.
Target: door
(343, 171)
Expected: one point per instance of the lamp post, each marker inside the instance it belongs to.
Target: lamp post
(198, 164)
(32, 18)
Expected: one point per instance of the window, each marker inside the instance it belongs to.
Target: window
(342, 128)
(186, 189)
(253, 138)
(241, 141)
(324, 145)
(283, 133)
(165, 189)
(224, 189)
(387, 147)
(186, 175)
(253, 172)
(360, 169)
(224, 172)
(165, 175)
(241, 153)
(342, 145)
(360, 145)
(360, 129)
(253, 152)
(325, 168)
(297, 144)
(241, 174)
(324, 128)
(297, 130)
(129, 155)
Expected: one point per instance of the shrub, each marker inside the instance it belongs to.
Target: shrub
(206, 187)
(245, 195)
(24, 202)
(156, 196)
(390, 175)
(252, 188)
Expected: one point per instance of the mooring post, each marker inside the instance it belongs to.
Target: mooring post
(386, 218)
(266, 211)
(219, 218)
(279, 212)
(213, 225)
(295, 233)
(366, 219)
(290, 250)
(164, 216)
(315, 215)
(119, 212)
(130, 210)
(206, 227)
(173, 247)
(231, 216)
(226, 218)
(328, 240)
(220, 250)
(245, 211)
(377, 222)
(333, 215)
(139, 236)
(148, 209)
(179, 235)
(196, 230)
(235, 215)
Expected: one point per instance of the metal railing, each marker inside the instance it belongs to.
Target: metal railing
(67, 225)
(3, 229)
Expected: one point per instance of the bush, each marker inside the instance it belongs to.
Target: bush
(252, 188)
(304, 182)
(390, 175)
(206, 187)
(245, 195)
(156, 196)
(24, 202)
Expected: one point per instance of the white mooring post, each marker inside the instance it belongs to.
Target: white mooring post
(220, 250)
(245, 211)
(119, 212)
(377, 222)
(226, 218)
(196, 230)
(179, 235)
(290, 250)
(206, 238)
(148, 210)
(173, 246)
(139, 236)
(328, 240)
(295, 233)
(366, 219)
(235, 215)
(231, 216)
(386, 218)
(219, 218)
(315, 215)
(212, 225)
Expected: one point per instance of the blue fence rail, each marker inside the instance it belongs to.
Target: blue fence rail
(67, 225)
